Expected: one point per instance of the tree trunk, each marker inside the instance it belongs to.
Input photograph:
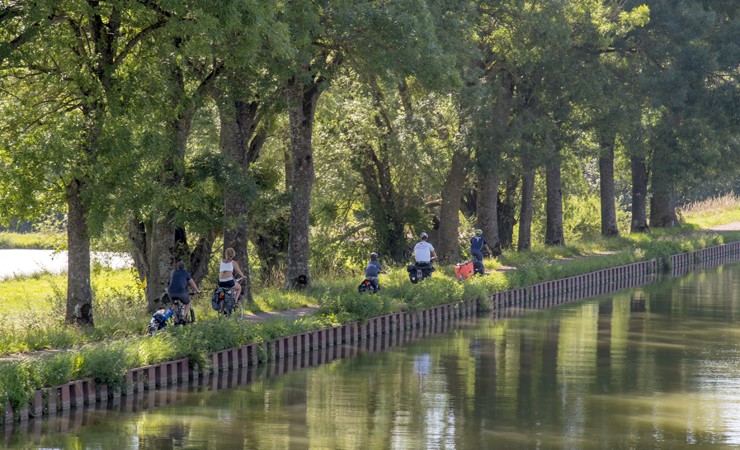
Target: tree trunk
(449, 221)
(240, 146)
(554, 206)
(489, 178)
(302, 100)
(639, 222)
(161, 244)
(375, 173)
(79, 292)
(162, 249)
(488, 220)
(137, 238)
(606, 185)
(181, 250)
(507, 212)
(200, 257)
(663, 207)
(141, 242)
(161, 257)
(663, 195)
(524, 241)
(271, 239)
(271, 244)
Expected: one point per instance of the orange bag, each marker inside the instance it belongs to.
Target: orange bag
(464, 270)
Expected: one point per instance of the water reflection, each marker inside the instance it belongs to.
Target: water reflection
(656, 367)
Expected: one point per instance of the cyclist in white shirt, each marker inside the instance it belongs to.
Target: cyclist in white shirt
(424, 251)
(226, 273)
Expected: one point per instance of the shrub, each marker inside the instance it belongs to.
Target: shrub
(56, 369)
(17, 381)
(106, 364)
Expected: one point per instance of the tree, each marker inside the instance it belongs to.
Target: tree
(363, 36)
(246, 101)
(201, 46)
(90, 42)
(689, 62)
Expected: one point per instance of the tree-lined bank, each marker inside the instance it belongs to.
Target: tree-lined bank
(307, 134)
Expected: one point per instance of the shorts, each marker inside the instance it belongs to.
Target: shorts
(227, 284)
(182, 296)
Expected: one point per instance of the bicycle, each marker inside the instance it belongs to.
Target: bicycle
(162, 316)
(223, 300)
(178, 308)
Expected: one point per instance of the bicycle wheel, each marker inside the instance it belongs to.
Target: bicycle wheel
(191, 316)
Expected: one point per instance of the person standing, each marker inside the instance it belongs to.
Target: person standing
(477, 244)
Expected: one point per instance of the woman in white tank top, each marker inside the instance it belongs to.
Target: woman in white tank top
(226, 273)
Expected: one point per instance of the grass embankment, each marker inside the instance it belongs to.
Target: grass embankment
(43, 241)
(33, 308)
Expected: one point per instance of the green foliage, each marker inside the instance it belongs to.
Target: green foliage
(582, 218)
(17, 381)
(56, 369)
(355, 306)
(107, 364)
(662, 79)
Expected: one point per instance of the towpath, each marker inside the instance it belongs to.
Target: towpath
(295, 314)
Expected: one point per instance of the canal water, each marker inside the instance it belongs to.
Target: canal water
(652, 367)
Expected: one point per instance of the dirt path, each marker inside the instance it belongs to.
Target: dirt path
(734, 226)
(291, 314)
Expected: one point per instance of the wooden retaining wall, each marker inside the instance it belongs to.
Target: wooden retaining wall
(556, 292)
(60, 400)
(80, 394)
(149, 399)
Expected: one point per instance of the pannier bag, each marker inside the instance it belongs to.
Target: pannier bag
(222, 295)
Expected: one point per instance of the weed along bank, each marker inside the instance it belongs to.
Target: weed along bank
(296, 350)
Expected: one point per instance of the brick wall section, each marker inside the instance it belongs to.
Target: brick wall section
(301, 349)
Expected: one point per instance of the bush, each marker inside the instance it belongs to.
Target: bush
(18, 381)
(107, 364)
(56, 369)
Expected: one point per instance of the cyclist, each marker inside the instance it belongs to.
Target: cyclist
(178, 287)
(424, 251)
(372, 270)
(226, 273)
(477, 244)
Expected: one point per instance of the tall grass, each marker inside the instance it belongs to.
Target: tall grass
(33, 310)
(727, 202)
(712, 211)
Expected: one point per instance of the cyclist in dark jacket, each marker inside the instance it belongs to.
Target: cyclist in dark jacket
(178, 287)
(373, 269)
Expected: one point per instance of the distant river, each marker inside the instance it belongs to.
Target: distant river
(27, 262)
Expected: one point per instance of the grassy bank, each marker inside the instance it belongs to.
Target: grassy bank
(33, 309)
(44, 241)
